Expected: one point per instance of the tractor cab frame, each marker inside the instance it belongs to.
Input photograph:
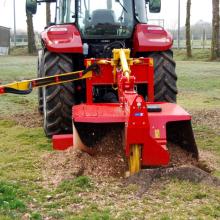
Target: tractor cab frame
(109, 19)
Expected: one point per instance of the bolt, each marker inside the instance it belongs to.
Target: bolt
(138, 104)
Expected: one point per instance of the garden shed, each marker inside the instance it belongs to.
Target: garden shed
(4, 40)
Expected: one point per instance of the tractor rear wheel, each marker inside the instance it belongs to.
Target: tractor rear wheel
(165, 77)
(59, 99)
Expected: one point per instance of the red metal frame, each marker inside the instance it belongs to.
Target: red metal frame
(140, 73)
(141, 127)
(62, 142)
(147, 129)
(144, 128)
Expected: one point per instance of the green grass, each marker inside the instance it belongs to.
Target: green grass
(10, 199)
(19, 51)
(79, 184)
(198, 84)
(22, 150)
(17, 68)
(197, 55)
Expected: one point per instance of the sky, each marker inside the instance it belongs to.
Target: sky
(201, 10)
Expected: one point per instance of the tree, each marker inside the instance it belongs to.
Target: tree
(215, 30)
(48, 14)
(188, 29)
(31, 37)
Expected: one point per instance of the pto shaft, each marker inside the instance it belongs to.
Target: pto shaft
(124, 64)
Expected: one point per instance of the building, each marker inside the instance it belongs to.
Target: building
(21, 39)
(4, 40)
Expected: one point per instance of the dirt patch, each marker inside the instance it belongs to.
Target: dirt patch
(25, 119)
(180, 157)
(208, 160)
(108, 161)
(209, 118)
(193, 174)
(183, 166)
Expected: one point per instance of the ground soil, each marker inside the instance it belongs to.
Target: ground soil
(208, 118)
(193, 174)
(25, 119)
(109, 160)
(208, 161)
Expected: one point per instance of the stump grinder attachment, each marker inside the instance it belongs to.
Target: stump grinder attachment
(148, 125)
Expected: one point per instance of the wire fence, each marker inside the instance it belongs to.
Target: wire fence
(195, 44)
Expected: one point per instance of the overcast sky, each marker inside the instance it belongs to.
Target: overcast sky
(201, 10)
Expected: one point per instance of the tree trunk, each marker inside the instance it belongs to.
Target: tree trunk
(188, 30)
(48, 14)
(215, 30)
(31, 37)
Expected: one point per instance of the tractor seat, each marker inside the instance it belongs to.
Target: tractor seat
(102, 16)
(102, 22)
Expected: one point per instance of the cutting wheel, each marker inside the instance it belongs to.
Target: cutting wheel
(135, 159)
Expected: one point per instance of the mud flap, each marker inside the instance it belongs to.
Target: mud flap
(181, 134)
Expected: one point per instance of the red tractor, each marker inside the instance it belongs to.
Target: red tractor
(92, 29)
(87, 79)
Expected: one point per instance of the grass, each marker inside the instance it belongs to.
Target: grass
(79, 184)
(9, 198)
(19, 51)
(22, 192)
(199, 84)
(197, 55)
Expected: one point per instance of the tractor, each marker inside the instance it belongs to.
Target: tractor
(92, 29)
(102, 64)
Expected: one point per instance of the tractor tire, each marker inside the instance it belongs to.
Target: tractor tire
(59, 99)
(40, 72)
(165, 78)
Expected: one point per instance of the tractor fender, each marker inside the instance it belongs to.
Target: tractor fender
(149, 38)
(62, 39)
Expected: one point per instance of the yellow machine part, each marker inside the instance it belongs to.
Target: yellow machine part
(135, 159)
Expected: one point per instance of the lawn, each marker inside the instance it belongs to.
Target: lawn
(23, 146)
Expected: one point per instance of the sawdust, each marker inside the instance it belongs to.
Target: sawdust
(108, 161)
(179, 156)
